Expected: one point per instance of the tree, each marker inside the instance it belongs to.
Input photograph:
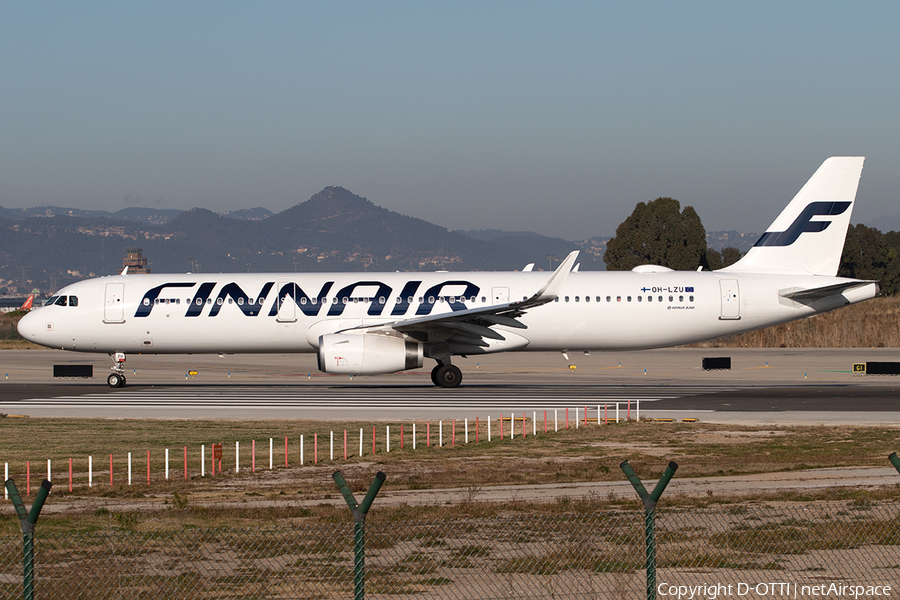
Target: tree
(659, 233)
(730, 255)
(870, 254)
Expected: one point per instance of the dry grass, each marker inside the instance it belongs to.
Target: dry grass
(591, 453)
(872, 324)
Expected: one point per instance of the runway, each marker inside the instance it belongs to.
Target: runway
(763, 386)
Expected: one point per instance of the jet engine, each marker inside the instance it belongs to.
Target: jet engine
(367, 354)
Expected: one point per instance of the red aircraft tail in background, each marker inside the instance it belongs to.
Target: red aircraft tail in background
(29, 301)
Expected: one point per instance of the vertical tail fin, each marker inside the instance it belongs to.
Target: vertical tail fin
(808, 236)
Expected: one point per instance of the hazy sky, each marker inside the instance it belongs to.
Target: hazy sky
(551, 117)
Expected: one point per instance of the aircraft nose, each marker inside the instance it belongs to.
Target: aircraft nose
(29, 327)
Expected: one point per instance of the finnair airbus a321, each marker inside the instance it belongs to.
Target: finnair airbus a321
(388, 322)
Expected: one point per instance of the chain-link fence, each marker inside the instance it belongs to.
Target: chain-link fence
(557, 555)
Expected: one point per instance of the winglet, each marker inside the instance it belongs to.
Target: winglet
(556, 281)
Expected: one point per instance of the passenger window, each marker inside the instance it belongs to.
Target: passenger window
(670, 298)
(577, 298)
(649, 298)
(691, 298)
(629, 298)
(660, 299)
(483, 299)
(587, 298)
(618, 298)
(567, 298)
(556, 299)
(146, 302)
(640, 298)
(609, 298)
(681, 298)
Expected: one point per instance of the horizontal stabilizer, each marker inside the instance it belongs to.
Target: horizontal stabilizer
(822, 292)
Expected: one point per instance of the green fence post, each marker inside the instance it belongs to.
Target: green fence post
(27, 521)
(649, 501)
(359, 512)
(895, 460)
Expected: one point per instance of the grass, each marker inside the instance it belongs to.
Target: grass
(871, 324)
(567, 456)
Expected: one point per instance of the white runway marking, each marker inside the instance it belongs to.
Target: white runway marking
(263, 397)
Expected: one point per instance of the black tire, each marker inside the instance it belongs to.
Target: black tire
(115, 380)
(434, 371)
(448, 376)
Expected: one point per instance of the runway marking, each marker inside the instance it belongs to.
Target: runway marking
(268, 397)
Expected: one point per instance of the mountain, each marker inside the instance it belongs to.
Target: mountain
(335, 230)
(249, 214)
(155, 216)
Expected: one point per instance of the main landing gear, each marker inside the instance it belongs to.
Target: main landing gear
(117, 379)
(446, 375)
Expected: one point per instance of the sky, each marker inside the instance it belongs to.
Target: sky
(550, 117)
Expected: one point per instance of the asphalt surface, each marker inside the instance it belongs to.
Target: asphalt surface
(763, 386)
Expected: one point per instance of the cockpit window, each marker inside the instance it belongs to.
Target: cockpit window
(73, 300)
(62, 301)
(51, 300)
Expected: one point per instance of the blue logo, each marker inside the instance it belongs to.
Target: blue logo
(804, 224)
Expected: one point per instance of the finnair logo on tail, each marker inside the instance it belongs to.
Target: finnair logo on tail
(804, 223)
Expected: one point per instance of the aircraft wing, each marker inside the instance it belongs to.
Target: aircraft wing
(472, 326)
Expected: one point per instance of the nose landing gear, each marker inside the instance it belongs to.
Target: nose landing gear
(117, 379)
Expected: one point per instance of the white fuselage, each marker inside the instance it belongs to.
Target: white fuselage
(287, 312)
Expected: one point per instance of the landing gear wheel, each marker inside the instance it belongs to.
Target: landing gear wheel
(447, 376)
(434, 371)
(116, 381)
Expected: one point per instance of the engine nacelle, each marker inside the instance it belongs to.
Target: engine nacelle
(367, 354)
